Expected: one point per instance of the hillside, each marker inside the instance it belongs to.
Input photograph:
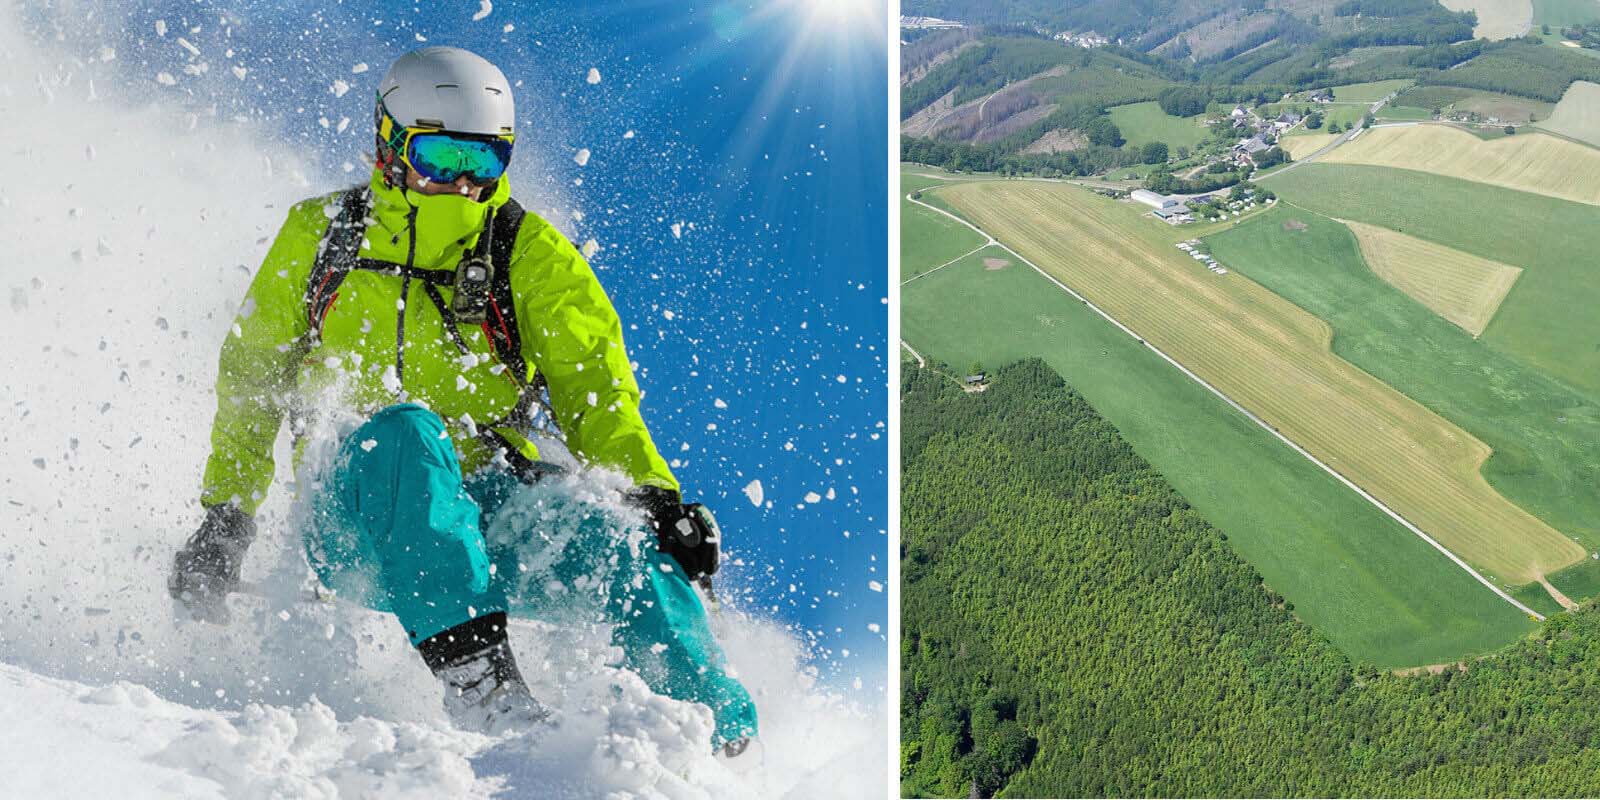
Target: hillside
(1073, 628)
(1006, 97)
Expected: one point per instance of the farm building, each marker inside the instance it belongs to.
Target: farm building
(1175, 214)
(1152, 199)
(1253, 145)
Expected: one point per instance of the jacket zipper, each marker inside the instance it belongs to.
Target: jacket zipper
(405, 299)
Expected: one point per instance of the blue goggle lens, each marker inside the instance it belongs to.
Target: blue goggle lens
(443, 157)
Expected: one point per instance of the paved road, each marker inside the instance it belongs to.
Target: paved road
(1343, 137)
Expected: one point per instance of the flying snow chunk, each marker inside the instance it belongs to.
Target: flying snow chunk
(582, 157)
(359, 68)
(875, 586)
(508, 28)
(593, 77)
(719, 403)
(161, 27)
(813, 497)
(166, 79)
(754, 491)
(842, 379)
(628, 135)
(485, 8)
(339, 87)
(239, 72)
(677, 230)
(590, 247)
(874, 627)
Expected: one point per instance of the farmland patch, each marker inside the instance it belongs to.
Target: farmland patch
(1461, 287)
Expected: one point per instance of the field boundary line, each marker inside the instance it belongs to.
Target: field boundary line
(985, 245)
(1379, 504)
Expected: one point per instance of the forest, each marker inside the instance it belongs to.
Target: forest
(1072, 627)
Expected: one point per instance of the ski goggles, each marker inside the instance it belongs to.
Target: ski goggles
(442, 156)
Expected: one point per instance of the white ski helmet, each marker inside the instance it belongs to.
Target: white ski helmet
(448, 88)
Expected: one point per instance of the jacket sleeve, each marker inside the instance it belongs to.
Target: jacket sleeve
(571, 333)
(256, 370)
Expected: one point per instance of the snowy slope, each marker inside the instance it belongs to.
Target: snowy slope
(126, 245)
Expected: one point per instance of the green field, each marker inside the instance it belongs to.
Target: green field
(1548, 320)
(1489, 104)
(1345, 115)
(1560, 13)
(1146, 122)
(1374, 588)
(927, 239)
(1404, 113)
(1368, 92)
(1546, 435)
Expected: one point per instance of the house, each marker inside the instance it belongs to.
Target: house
(1152, 199)
(976, 380)
(1237, 113)
(1288, 117)
(1322, 96)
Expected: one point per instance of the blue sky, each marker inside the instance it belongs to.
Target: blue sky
(759, 130)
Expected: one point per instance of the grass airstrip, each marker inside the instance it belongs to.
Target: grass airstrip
(1274, 358)
(1376, 590)
(1545, 434)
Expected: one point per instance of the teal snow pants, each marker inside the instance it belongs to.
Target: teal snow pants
(398, 529)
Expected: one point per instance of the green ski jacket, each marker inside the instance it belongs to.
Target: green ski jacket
(271, 364)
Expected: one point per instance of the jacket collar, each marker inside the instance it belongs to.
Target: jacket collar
(446, 224)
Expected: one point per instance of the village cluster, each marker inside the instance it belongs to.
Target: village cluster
(1263, 133)
(1192, 247)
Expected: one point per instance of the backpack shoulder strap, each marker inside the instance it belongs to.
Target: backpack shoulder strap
(336, 256)
(502, 321)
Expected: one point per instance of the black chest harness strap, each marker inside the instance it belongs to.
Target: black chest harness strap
(340, 252)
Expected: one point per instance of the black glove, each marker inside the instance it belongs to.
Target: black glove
(207, 568)
(688, 533)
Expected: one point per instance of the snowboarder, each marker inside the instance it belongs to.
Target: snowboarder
(430, 302)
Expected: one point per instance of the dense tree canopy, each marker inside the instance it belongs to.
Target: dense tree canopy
(1073, 628)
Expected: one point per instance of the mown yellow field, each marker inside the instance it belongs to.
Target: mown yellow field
(1460, 287)
(1497, 19)
(1578, 113)
(1302, 145)
(1530, 162)
(1273, 358)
